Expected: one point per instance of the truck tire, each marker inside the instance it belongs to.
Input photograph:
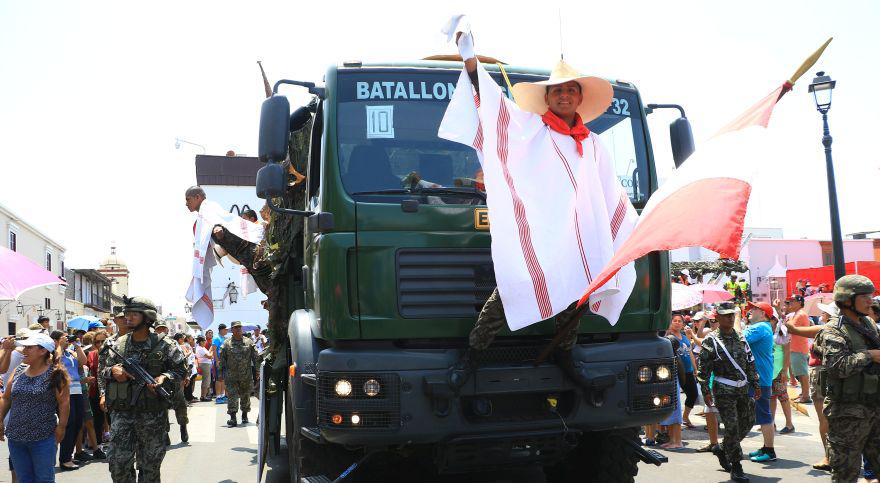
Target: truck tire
(600, 457)
(306, 460)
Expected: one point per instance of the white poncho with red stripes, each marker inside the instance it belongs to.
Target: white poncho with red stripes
(555, 217)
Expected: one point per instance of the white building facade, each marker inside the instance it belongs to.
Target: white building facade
(24, 238)
(230, 181)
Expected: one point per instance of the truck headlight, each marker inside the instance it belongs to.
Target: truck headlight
(343, 388)
(645, 374)
(372, 387)
(663, 373)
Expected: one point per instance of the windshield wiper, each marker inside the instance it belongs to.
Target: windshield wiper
(427, 191)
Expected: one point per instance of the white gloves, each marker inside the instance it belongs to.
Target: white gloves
(456, 24)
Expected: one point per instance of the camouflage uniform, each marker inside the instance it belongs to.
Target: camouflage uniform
(735, 407)
(853, 421)
(492, 320)
(140, 431)
(852, 395)
(238, 357)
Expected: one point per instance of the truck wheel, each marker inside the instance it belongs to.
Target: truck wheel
(600, 457)
(294, 439)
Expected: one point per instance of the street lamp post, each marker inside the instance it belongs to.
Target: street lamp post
(179, 141)
(821, 88)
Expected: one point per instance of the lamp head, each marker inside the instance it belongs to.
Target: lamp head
(821, 88)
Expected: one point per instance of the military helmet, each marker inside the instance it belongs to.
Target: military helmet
(142, 305)
(848, 286)
(726, 308)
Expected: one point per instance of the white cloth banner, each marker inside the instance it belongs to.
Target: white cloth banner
(199, 292)
(556, 217)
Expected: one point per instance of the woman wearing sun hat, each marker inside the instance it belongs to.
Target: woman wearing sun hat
(37, 404)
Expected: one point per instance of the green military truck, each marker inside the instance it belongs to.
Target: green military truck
(388, 265)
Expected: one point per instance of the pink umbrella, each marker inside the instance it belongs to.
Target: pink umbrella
(712, 293)
(19, 274)
(684, 296)
(811, 303)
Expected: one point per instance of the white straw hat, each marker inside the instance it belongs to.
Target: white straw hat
(597, 92)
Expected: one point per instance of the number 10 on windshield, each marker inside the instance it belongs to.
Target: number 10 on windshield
(380, 122)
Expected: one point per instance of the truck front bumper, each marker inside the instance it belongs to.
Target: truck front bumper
(414, 405)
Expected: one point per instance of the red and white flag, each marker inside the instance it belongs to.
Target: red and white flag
(703, 204)
(556, 216)
(209, 215)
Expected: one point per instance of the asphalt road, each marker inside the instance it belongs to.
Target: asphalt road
(216, 453)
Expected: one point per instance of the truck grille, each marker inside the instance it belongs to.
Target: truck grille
(443, 282)
(381, 411)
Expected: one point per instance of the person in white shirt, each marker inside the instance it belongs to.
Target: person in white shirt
(204, 358)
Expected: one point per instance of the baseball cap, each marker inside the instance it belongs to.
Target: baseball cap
(39, 339)
(699, 316)
(763, 307)
(42, 318)
(221, 326)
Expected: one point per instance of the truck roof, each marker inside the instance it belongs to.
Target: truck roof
(436, 62)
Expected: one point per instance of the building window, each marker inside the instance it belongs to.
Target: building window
(47, 302)
(11, 327)
(49, 261)
(13, 241)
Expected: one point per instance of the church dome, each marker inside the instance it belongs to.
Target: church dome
(113, 260)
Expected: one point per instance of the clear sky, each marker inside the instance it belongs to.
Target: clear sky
(93, 94)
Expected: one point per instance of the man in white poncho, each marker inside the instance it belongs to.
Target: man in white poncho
(556, 207)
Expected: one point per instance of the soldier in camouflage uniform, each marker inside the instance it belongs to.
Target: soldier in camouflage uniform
(726, 354)
(491, 320)
(139, 428)
(239, 358)
(850, 347)
(178, 400)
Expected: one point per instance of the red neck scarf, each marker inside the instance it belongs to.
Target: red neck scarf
(579, 132)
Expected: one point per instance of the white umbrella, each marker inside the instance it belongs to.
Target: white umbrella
(683, 296)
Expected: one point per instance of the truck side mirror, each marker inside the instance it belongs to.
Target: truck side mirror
(300, 118)
(271, 181)
(274, 130)
(682, 140)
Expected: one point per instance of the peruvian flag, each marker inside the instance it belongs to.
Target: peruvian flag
(704, 202)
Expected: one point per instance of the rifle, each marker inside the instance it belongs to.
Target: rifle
(141, 376)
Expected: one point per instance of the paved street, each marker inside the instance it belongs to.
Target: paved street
(796, 452)
(219, 454)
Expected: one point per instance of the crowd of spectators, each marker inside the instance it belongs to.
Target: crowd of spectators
(51, 403)
(780, 337)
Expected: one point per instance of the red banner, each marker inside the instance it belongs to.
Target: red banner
(819, 275)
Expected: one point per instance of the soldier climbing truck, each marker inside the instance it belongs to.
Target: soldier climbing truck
(381, 259)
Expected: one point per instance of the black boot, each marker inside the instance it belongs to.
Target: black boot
(736, 473)
(244, 419)
(570, 368)
(232, 422)
(722, 459)
(461, 371)
(184, 436)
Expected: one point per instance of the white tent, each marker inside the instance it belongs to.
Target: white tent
(777, 271)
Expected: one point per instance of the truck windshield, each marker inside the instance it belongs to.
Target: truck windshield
(387, 121)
